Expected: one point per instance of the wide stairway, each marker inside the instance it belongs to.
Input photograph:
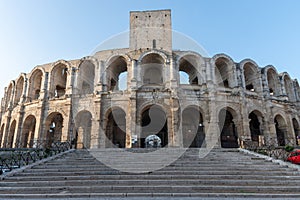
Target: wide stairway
(223, 172)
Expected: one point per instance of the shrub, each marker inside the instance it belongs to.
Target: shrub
(289, 148)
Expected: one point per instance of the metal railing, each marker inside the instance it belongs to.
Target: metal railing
(12, 158)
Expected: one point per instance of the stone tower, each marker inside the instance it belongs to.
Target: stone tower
(151, 29)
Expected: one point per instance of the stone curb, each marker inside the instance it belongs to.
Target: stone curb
(15, 171)
(267, 158)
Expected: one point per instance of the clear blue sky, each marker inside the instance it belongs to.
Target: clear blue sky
(34, 32)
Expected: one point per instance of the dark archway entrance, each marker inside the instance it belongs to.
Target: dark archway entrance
(192, 128)
(280, 130)
(28, 131)
(116, 129)
(229, 136)
(54, 125)
(154, 122)
(254, 125)
(11, 135)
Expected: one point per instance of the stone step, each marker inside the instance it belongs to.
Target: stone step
(146, 183)
(151, 177)
(152, 189)
(116, 195)
(174, 169)
(222, 171)
(115, 172)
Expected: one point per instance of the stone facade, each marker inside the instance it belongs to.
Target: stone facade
(84, 100)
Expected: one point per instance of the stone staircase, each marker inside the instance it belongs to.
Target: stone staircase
(223, 172)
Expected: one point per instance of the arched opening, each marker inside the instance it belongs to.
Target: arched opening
(154, 122)
(229, 135)
(289, 88)
(86, 78)
(54, 125)
(35, 83)
(188, 70)
(193, 133)
(116, 128)
(223, 73)
(58, 81)
(117, 74)
(152, 69)
(281, 130)
(28, 132)
(1, 134)
(297, 131)
(255, 126)
(252, 82)
(11, 134)
(19, 90)
(83, 123)
(273, 82)
(8, 95)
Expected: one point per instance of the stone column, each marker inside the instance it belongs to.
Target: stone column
(96, 125)
(133, 81)
(43, 93)
(212, 129)
(290, 134)
(175, 123)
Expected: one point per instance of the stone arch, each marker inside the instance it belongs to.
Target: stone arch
(255, 125)
(116, 70)
(35, 84)
(154, 121)
(281, 129)
(224, 71)
(115, 130)
(289, 87)
(9, 93)
(2, 134)
(228, 128)
(161, 54)
(83, 124)
(152, 68)
(19, 89)
(11, 134)
(86, 77)
(28, 131)
(190, 64)
(192, 127)
(251, 76)
(273, 81)
(296, 128)
(54, 125)
(58, 79)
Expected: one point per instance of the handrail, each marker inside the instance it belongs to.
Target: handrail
(15, 158)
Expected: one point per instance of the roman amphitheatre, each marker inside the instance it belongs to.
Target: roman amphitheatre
(82, 100)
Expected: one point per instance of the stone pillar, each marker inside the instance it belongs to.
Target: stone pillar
(133, 82)
(290, 131)
(96, 127)
(245, 133)
(45, 79)
(212, 129)
(25, 90)
(19, 130)
(272, 140)
(175, 123)
(6, 131)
